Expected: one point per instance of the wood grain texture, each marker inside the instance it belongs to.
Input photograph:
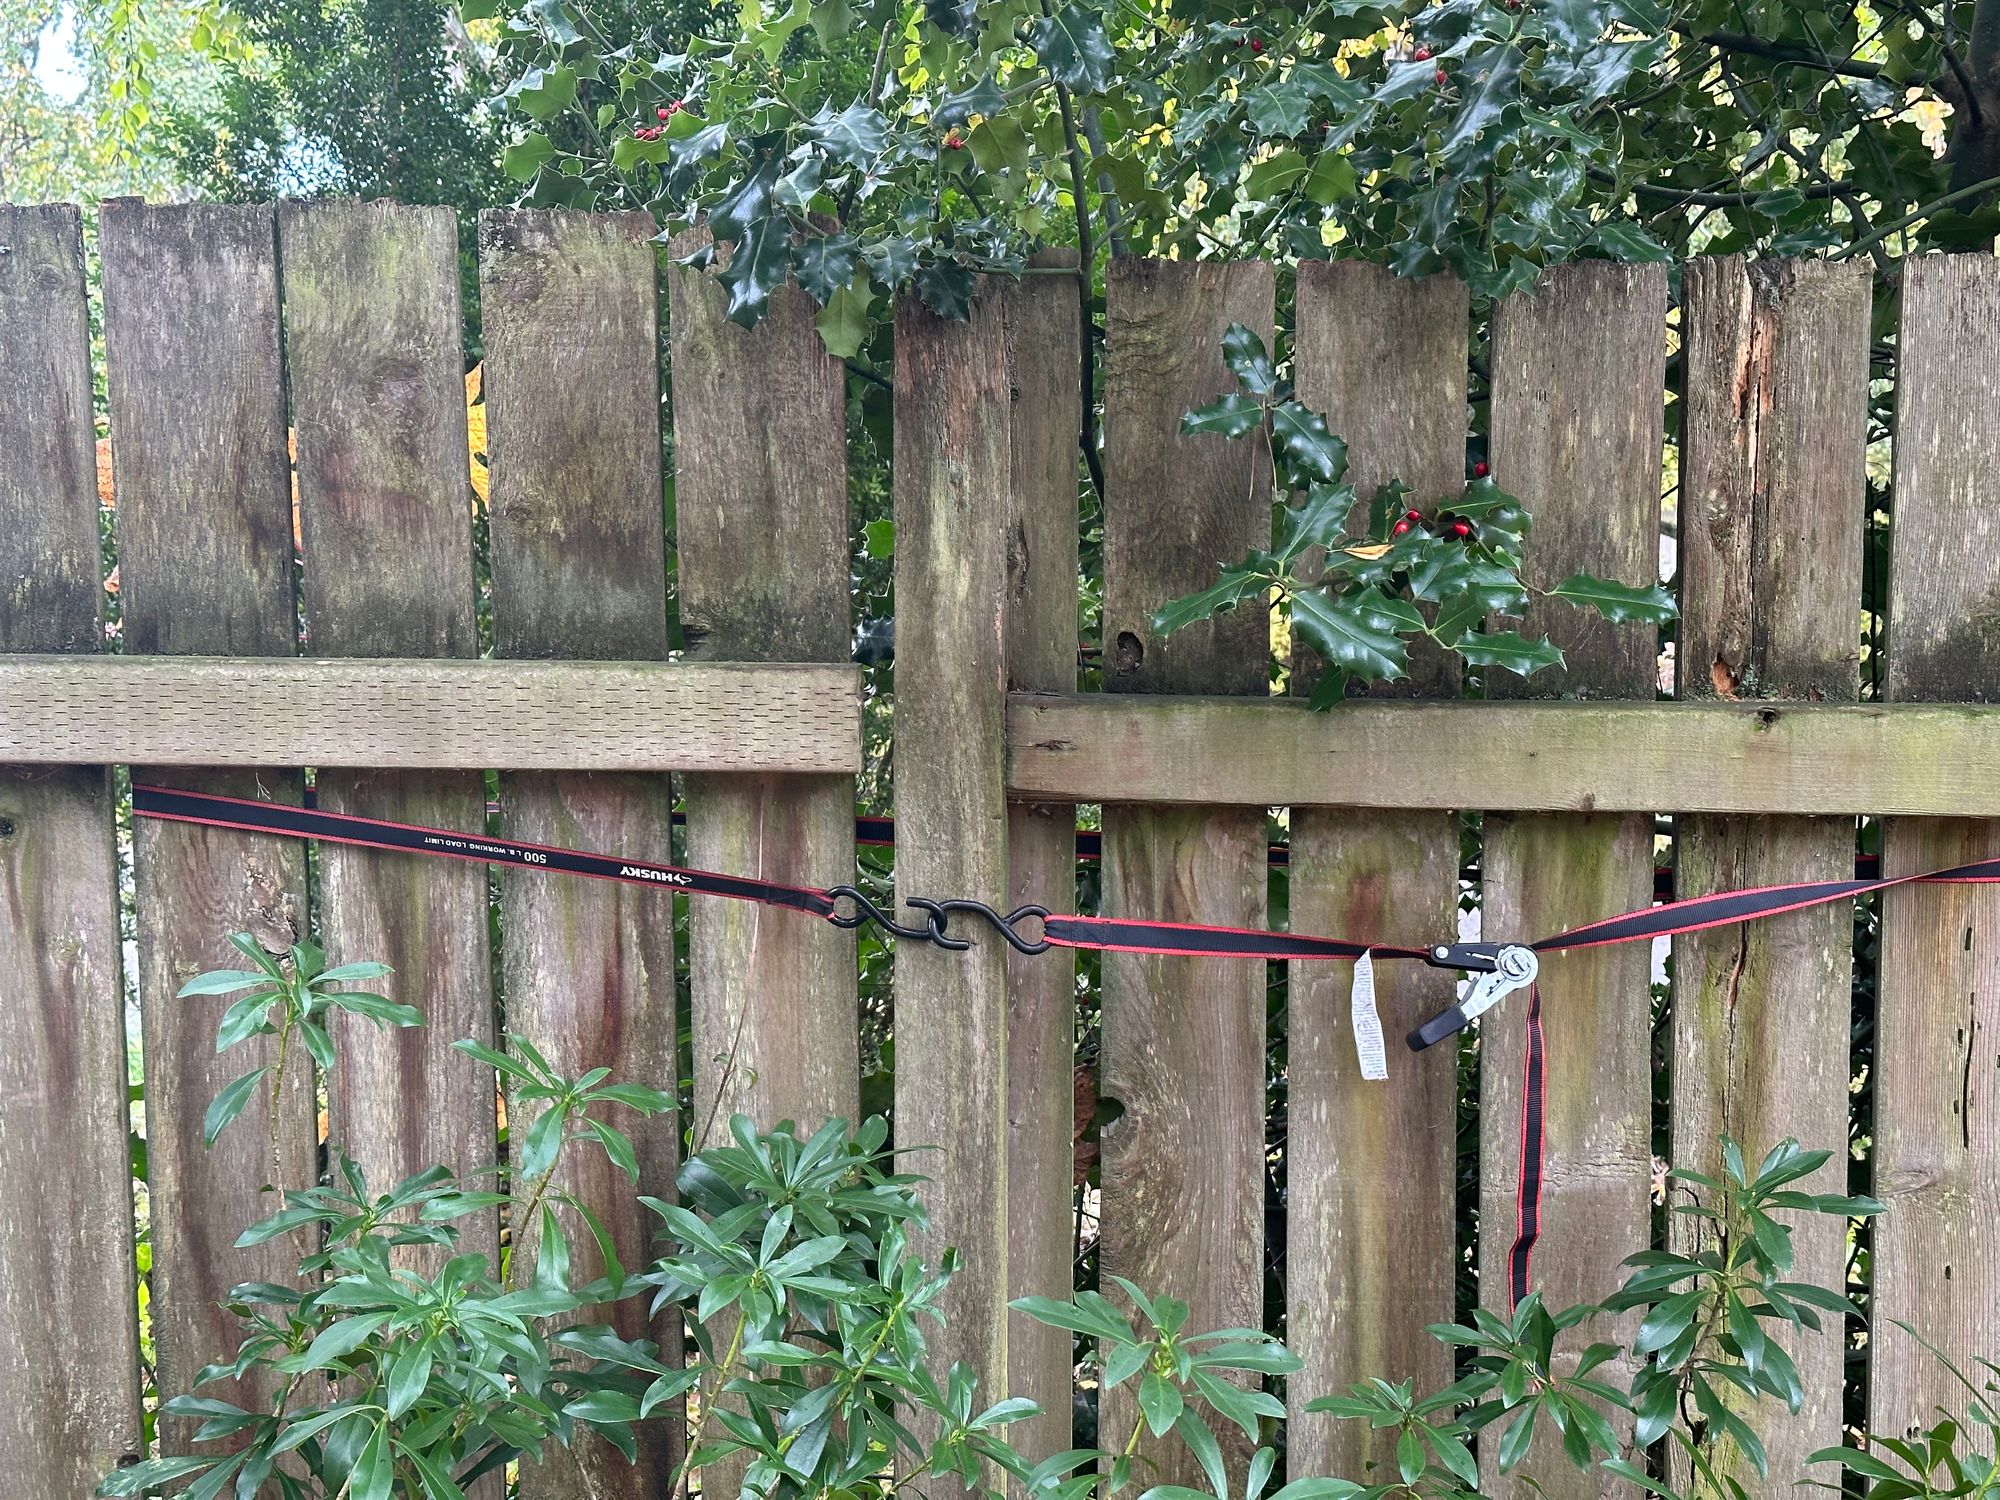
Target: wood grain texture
(373, 352)
(441, 715)
(1045, 389)
(1576, 415)
(1371, 1178)
(1773, 452)
(69, 1388)
(1183, 1048)
(1937, 1029)
(760, 503)
(204, 541)
(1553, 756)
(578, 547)
(952, 474)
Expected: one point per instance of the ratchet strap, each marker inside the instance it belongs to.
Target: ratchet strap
(1498, 968)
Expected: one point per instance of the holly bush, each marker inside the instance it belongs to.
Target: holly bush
(1357, 595)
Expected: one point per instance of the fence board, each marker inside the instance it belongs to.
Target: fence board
(1041, 844)
(1183, 1049)
(1773, 448)
(372, 350)
(760, 503)
(1937, 1091)
(951, 473)
(1371, 1168)
(1578, 379)
(69, 1391)
(578, 548)
(204, 565)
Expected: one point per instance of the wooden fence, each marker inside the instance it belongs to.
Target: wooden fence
(225, 326)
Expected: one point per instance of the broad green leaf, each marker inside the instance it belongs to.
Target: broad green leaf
(338, 1340)
(1230, 416)
(1072, 45)
(1305, 447)
(1508, 649)
(843, 321)
(854, 135)
(1228, 592)
(1619, 603)
(825, 265)
(222, 982)
(228, 1104)
(409, 1374)
(544, 92)
(374, 1475)
(1249, 361)
(982, 98)
(1278, 109)
(759, 263)
(1160, 1401)
(1354, 634)
(141, 1477)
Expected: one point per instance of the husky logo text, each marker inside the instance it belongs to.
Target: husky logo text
(665, 877)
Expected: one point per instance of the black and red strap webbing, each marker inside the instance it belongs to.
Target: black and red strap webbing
(1111, 934)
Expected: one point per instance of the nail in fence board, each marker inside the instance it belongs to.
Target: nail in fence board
(1371, 1169)
(205, 567)
(578, 548)
(1578, 382)
(1183, 1048)
(760, 503)
(1045, 388)
(373, 355)
(952, 471)
(1937, 1032)
(1773, 452)
(69, 1390)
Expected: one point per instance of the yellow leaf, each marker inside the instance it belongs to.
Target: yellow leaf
(1368, 554)
(475, 433)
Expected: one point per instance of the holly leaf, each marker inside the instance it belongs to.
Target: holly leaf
(544, 92)
(1508, 649)
(1278, 109)
(1620, 603)
(824, 266)
(1305, 447)
(891, 261)
(1628, 242)
(843, 322)
(525, 157)
(983, 98)
(1231, 589)
(1072, 45)
(947, 289)
(1357, 632)
(1317, 521)
(1249, 361)
(1233, 416)
(757, 267)
(856, 135)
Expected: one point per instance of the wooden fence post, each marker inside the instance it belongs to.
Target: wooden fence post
(1773, 447)
(204, 568)
(1371, 1168)
(1183, 1050)
(952, 479)
(375, 360)
(1578, 392)
(579, 571)
(1045, 386)
(1937, 1029)
(69, 1388)
(760, 446)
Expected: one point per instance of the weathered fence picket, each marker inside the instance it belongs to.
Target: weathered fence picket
(69, 1388)
(1937, 1031)
(1773, 448)
(226, 325)
(1578, 367)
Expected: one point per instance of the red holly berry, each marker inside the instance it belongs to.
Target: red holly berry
(664, 113)
(1423, 54)
(954, 142)
(1443, 77)
(1401, 528)
(1461, 530)
(1256, 44)
(1413, 515)
(1481, 469)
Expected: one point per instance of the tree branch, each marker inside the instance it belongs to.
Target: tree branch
(1780, 52)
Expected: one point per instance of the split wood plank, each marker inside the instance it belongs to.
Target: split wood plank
(373, 351)
(442, 715)
(1183, 1045)
(760, 505)
(1757, 757)
(1371, 1170)
(1045, 388)
(69, 1389)
(1937, 1030)
(1577, 408)
(579, 570)
(952, 465)
(205, 566)
(1773, 471)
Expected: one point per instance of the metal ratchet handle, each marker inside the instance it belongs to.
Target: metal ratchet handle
(1514, 968)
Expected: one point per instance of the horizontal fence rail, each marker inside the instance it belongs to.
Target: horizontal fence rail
(393, 714)
(1928, 760)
